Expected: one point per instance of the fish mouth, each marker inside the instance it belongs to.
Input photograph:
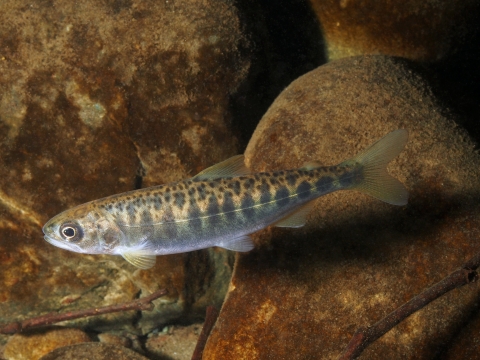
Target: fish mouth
(47, 229)
(62, 244)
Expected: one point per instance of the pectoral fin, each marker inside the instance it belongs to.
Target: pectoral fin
(139, 259)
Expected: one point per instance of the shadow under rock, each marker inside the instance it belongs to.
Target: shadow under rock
(454, 79)
(285, 42)
(370, 238)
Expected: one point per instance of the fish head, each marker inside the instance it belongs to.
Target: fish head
(84, 229)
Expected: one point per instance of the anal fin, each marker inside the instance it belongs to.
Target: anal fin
(298, 218)
(139, 259)
(242, 243)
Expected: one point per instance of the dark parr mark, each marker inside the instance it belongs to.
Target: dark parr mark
(179, 199)
(201, 192)
(248, 184)
(192, 201)
(194, 213)
(324, 184)
(146, 218)
(248, 210)
(228, 206)
(157, 202)
(291, 179)
(282, 196)
(131, 212)
(213, 211)
(347, 179)
(212, 208)
(170, 229)
(304, 190)
(195, 221)
(265, 195)
(236, 187)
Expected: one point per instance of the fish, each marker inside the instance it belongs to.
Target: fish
(221, 206)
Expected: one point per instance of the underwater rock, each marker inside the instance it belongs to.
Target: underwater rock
(94, 98)
(413, 29)
(466, 343)
(177, 343)
(32, 345)
(97, 351)
(302, 293)
(114, 339)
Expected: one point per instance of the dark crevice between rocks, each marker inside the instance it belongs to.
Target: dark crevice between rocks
(199, 274)
(454, 79)
(285, 42)
(361, 239)
(138, 314)
(141, 172)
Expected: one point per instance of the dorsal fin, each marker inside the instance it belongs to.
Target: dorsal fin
(231, 167)
(310, 165)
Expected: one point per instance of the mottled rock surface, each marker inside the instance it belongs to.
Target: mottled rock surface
(304, 292)
(414, 29)
(178, 343)
(114, 339)
(97, 351)
(34, 344)
(94, 98)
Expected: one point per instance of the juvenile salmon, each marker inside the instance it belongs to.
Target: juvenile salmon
(220, 206)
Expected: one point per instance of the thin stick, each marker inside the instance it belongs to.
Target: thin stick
(52, 318)
(210, 319)
(364, 336)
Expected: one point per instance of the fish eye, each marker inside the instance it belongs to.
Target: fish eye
(71, 232)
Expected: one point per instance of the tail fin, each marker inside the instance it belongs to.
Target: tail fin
(376, 181)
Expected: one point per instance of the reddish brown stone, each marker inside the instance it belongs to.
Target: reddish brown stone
(178, 343)
(34, 344)
(413, 29)
(94, 97)
(304, 292)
